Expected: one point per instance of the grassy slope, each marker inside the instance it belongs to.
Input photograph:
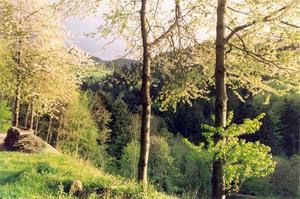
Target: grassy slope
(36, 176)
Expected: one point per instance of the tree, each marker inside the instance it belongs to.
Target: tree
(5, 116)
(38, 59)
(78, 132)
(239, 159)
(290, 118)
(146, 83)
(121, 133)
(158, 31)
(101, 116)
(218, 184)
(268, 67)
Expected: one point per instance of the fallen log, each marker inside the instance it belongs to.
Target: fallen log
(242, 196)
(23, 140)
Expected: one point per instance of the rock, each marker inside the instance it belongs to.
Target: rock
(76, 188)
(22, 140)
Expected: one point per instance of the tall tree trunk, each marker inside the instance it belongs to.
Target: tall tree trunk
(32, 116)
(17, 101)
(58, 131)
(17, 59)
(36, 125)
(49, 131)
(27, 115)
(218, 181)
(146, 100)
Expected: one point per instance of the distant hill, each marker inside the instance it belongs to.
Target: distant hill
(114, 63)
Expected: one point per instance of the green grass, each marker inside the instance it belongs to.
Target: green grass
(36, 176)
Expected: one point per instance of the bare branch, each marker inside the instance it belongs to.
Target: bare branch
(262, 59)
(171, 28)
(289, 24)
(230, 8)
(265, 19)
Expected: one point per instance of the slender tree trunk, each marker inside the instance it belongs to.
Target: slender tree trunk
(32, 116)
(27, 115)
(17, 101)
(49, 131)
(36, 125)
(146, 101)
(58, 136)
(218, 181)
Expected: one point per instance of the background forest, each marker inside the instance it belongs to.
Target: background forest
(92, 109)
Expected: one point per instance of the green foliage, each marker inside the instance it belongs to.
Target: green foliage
(161, 168)
(101, 116)
(172, 165)
(78, 132)
(121, 133)
(286, 178)
(45, 176)
(184, 77)
(242, 159)
(129, 160)
(5, 116)
(190, 165)
(284, 182)
(290, 124)
(258, 186)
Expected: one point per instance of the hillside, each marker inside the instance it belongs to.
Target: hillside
(47, 176)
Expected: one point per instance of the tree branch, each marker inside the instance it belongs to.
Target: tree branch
(230, 8)
(171, 28)
(289, 24)
(265, 19)
(262, 59)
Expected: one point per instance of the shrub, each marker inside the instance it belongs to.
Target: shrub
(5, 116)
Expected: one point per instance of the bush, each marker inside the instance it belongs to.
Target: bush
(286, 176)
(161, 169)
(258, 187)
(191, 165)
(5, 116)
(129, 160)
(283, 183)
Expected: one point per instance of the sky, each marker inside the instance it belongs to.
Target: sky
(99, 48)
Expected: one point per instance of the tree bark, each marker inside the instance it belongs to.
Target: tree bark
(15, 122)
(49, 131)
(27, 115)
(146, 101)
(17, 59)
(36, 125)
(218, 181)
(32, 116)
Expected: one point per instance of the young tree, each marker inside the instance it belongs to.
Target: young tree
(120, 128)
(78, 132)
(218, 184)
(240, 159)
